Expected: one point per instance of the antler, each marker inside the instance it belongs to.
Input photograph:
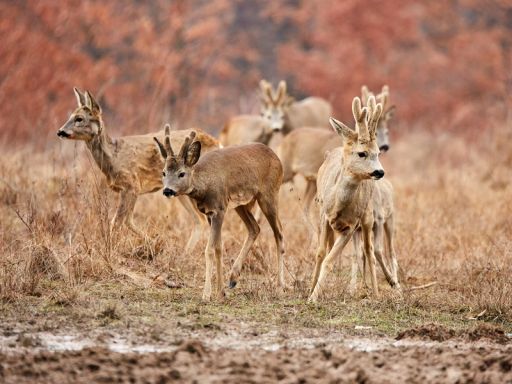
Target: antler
(186, 144)
(374, 113)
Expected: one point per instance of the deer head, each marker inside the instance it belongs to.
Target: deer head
(177, 172)
(85, 122)
(361, 153)
(274, 104)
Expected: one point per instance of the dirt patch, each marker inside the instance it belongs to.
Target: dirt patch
(437, 332)
(192, 361)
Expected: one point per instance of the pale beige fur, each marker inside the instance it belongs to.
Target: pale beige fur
(236, 177)
(131, 164)
(285, 114)
(383, 231)
(345, 186)
(244, 129)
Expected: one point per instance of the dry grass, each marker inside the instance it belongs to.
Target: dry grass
(454, 225)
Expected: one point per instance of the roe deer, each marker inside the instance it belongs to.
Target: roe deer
(245, 129)
(285, 114)
(235, 177)
(345, 185)
(388, 112)
(383, 229)
(131, 164)
(302, 152)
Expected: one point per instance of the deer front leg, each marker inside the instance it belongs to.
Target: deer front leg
(355, 259)
(389, 226)
(213, 248)
(378, 231)
(124, 213)
(325, 267)
(323, 240)
(369, 254)
(197, 222)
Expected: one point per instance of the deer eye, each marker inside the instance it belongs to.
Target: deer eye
(182, 174)
(362, 154)
(79, 119)
(163, 173)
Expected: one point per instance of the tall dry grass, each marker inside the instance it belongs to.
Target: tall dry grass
(454, 225)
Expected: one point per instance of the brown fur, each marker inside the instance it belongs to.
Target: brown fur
(345, 191)
(236, 177)
(131, 164)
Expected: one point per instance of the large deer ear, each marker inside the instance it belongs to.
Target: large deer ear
(342, 130)
(266, 91)
(163, 152)
(281, 92)
(193, 153)
(80, 97)
(92, 103)
(390, 113)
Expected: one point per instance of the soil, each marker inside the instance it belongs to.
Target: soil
(426, 354)
(192, 362)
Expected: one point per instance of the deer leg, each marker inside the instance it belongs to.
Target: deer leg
(197, 222)
(389, 226)
(253, 230)
(369, 255)
(355, 262)
(326, 265)
(309, 195)
(214, 248)
(124, 213)
(270, 210)
(378, 237)
(323, 244)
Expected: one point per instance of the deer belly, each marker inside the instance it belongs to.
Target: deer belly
(240, 198)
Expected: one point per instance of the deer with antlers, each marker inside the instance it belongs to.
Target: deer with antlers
(346, 182)
(131, 164)
(237, 177)
(302, 152)
(280, 113)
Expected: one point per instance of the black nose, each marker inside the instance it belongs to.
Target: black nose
(378, 174)
(62, 134)
(168, 192)
(384, 148)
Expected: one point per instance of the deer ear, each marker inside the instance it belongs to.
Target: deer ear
(342, 130)
(80, 97)
(163, 152)
(193, 153)
(390, 112)
(92, 103)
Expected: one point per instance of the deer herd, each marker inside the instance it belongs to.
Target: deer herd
(208, 176)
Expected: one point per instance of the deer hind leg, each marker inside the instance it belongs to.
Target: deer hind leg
(124, 213)
(309, 195)
(326, 265)
(378, 233)
(253, 230)
(197, 222)
(214, 251)
(369, 255)
(269, 207)
(389, 226)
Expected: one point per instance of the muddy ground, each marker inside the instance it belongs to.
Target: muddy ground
(241, 353)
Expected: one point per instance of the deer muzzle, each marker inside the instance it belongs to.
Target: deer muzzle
(168, 192)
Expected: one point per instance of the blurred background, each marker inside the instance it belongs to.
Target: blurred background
(198, 62)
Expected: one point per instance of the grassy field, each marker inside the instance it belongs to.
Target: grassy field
(59, 267)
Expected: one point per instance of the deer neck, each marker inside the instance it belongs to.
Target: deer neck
(102, 150)
(347, 187)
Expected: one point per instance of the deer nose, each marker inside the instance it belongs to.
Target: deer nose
(384, 148)
(377, 174)
(62, 134)
(168, 192)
